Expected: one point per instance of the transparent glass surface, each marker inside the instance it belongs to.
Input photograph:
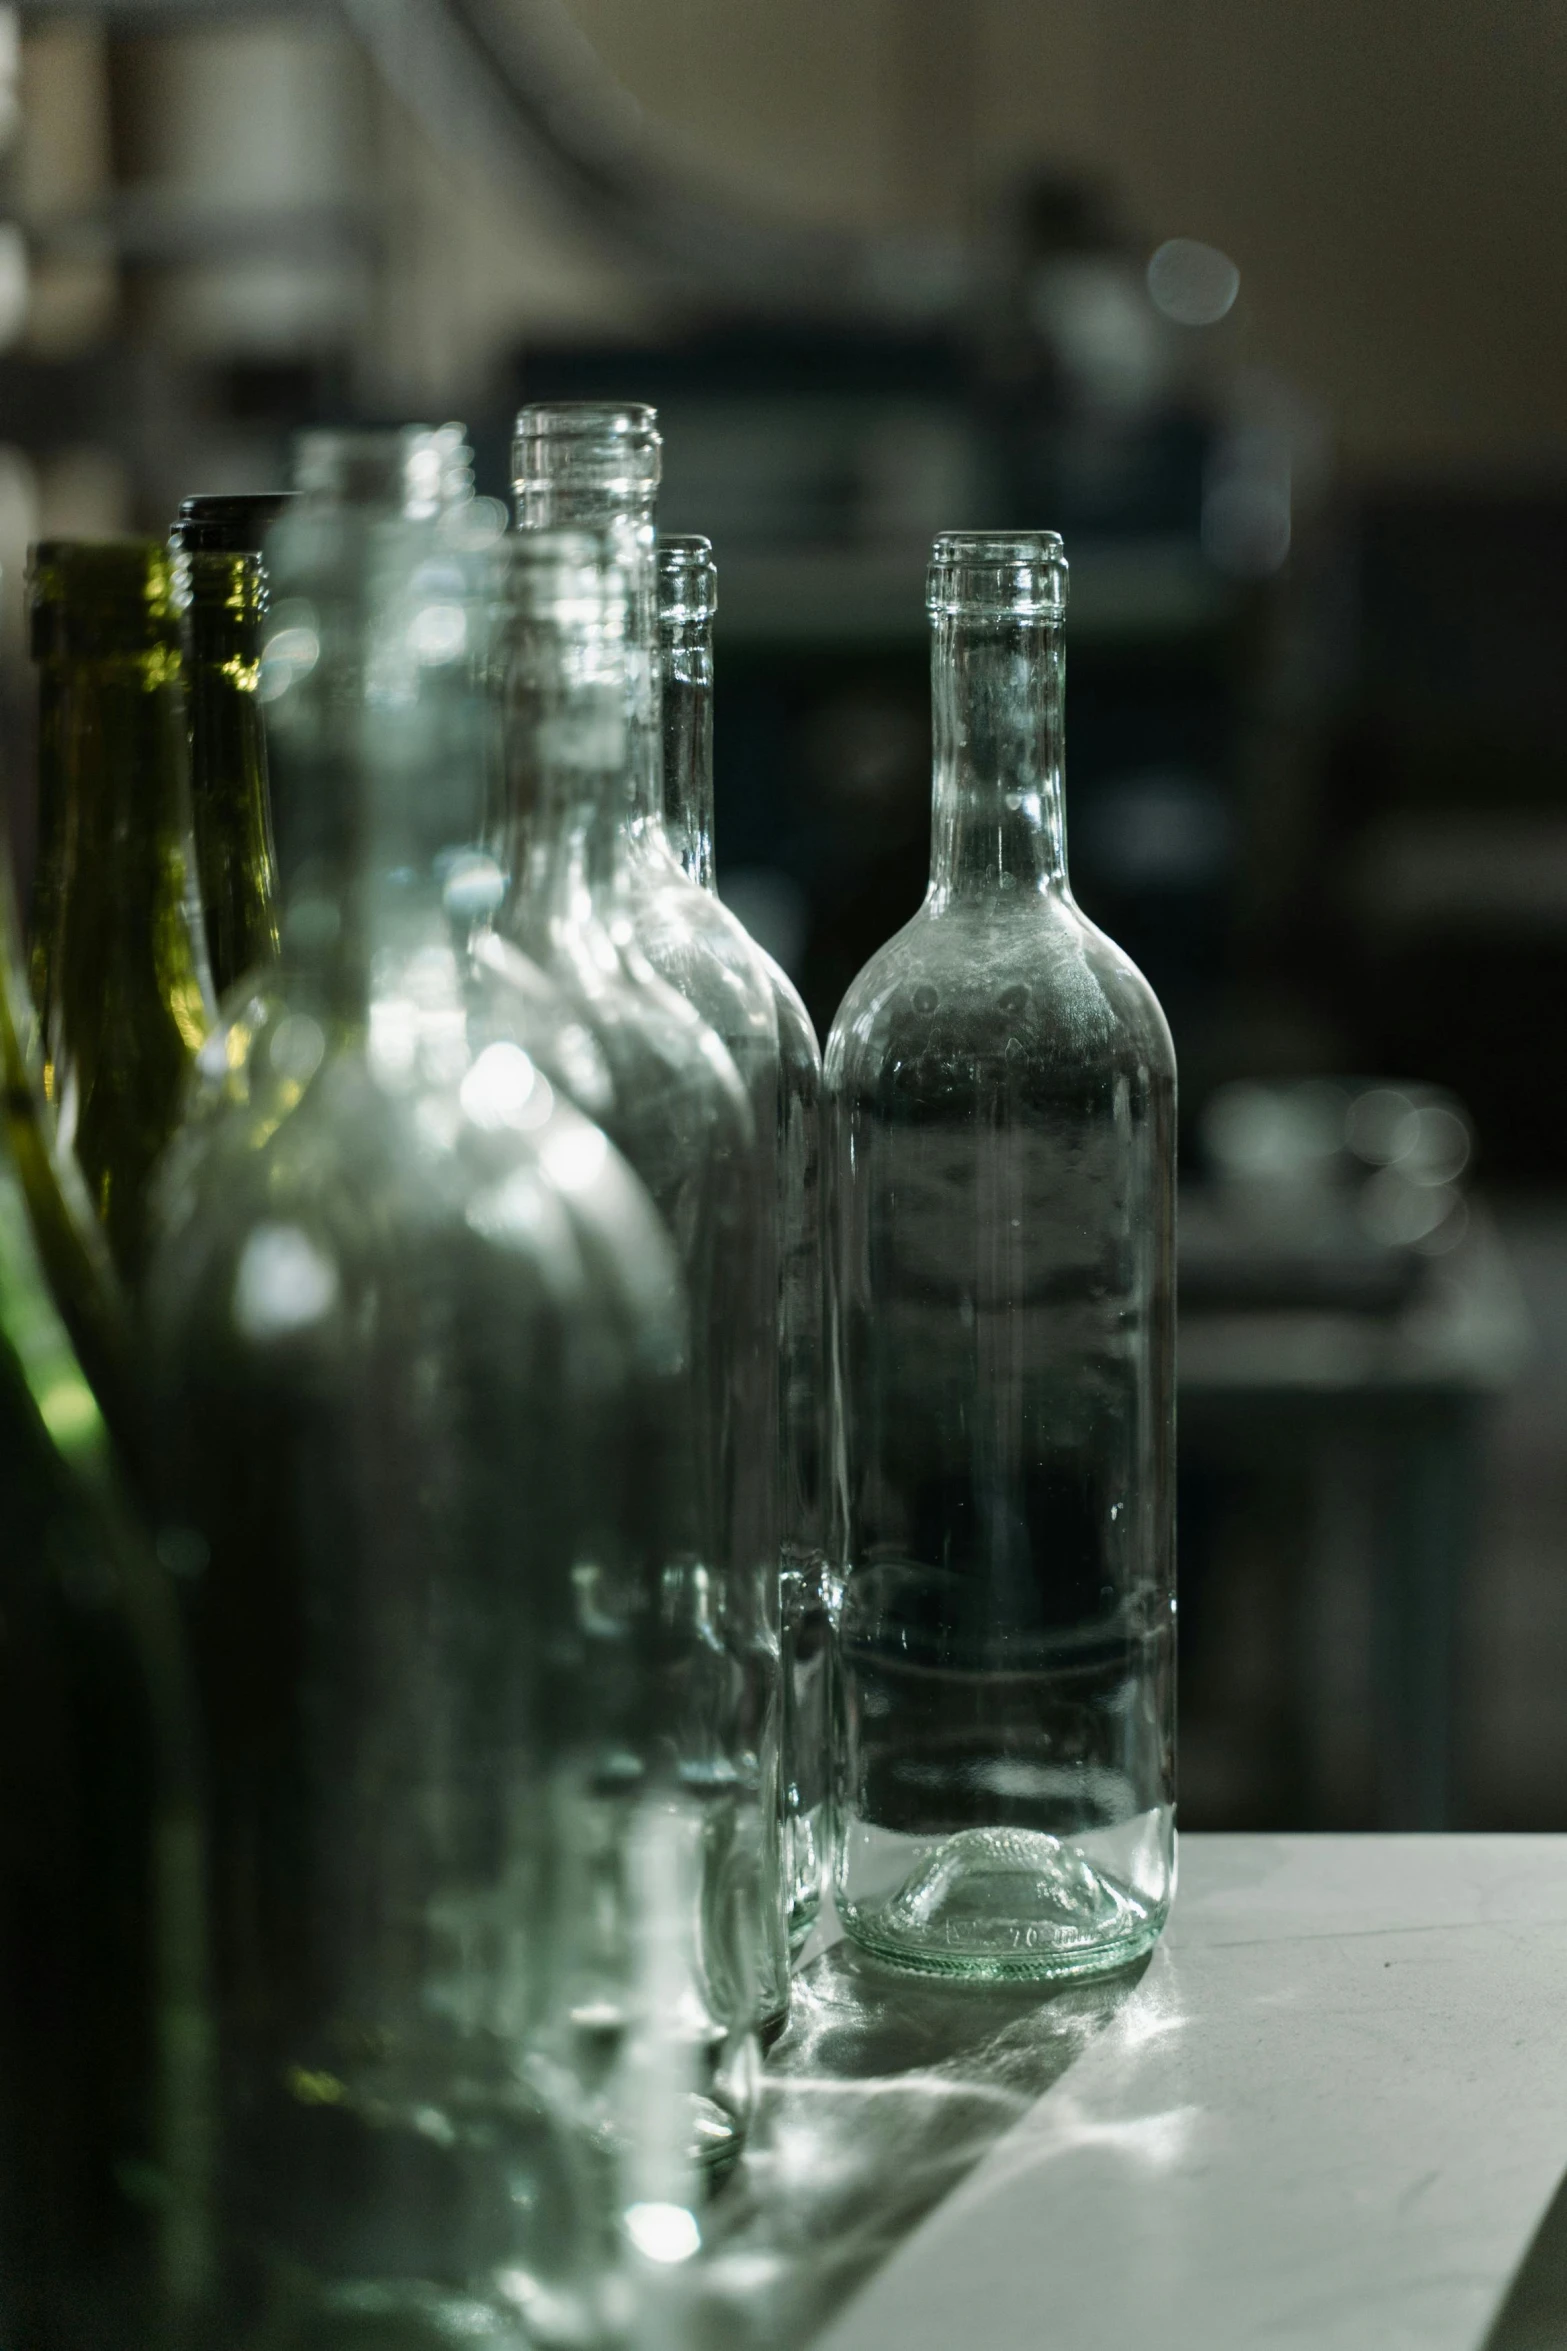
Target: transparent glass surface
(589, 467)
(129, 994)
(1000, 1095)
(416, 1332)
(786, 1099)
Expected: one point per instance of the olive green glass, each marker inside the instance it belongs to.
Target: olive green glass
(1000, 1091)
(218, 542)
(70, 1241)
(103, 2093)
(791, 1126)
(129, 995)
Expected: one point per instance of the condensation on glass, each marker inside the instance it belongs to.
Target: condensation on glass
(1001, 1120)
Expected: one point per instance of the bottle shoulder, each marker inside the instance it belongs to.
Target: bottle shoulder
(703, 951)
(281, 1222)
(1024, 982)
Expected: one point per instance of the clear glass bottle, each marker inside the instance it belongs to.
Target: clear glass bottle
(415, 1336)
(102, 2044)
(129, 993)
(681, 1116)
(687, 603)
(218, 542)
(587, 466)
(1000, 1092)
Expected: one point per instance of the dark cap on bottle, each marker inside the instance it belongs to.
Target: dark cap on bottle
(231, 525)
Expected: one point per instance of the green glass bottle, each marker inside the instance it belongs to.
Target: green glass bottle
(70, 1241)
(129, 991)
(219, 543)
(103, 2047)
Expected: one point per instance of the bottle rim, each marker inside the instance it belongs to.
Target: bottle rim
(1021, 574)
(687, 579)
(608, 445)
(227, 523)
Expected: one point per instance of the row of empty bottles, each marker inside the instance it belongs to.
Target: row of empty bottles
(556, 1484)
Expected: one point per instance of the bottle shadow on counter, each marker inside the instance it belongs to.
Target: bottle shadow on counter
(881, 2096)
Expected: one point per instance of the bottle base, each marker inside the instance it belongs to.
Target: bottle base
(1006, 1906)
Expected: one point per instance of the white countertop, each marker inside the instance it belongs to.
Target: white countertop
(1331, 2114)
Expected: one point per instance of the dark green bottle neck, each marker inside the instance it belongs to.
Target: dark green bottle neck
(998, 819)
(228, 761)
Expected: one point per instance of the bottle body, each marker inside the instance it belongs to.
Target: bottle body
(1001, 1103)
(415, 1328)
(639, 921)
(777, 1045)
(102, 2040)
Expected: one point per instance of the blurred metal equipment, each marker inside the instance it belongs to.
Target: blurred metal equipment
(519, 77)
(1347, 1313)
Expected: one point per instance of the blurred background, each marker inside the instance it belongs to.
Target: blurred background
(1262, 308)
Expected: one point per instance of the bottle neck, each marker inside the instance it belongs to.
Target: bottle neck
(622, 520)
(376, 747)
(568, 839)
(686, 663)
(998, 820)
(121, 776)
(228, 762)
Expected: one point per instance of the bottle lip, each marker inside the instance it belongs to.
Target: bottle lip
(687, 579)
(1017, 574)
(227, 524)
(610, 445)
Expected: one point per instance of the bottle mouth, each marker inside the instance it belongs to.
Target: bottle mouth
(419, 471)
(602, 445)
(687, 581)
(1020, 575)
(235, 525)
(92, 599)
